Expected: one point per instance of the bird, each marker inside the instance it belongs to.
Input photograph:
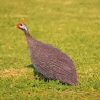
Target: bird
(48, 60)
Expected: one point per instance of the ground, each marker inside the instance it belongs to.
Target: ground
(73, 26)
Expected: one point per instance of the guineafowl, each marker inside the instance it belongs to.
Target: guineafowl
(49, 61)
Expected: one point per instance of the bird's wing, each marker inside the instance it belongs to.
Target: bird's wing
(56, 68)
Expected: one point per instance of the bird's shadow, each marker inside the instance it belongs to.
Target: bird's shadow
(40, 76)
(37, 74)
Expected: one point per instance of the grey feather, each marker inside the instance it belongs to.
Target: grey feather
(51, 62)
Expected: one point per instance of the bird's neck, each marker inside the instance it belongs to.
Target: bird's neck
(29, 38)
(26, 32)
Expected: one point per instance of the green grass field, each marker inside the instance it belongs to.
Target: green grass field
(73, 26)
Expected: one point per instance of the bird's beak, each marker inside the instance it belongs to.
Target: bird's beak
(17, 26)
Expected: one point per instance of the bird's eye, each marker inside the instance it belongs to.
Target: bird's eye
(20, 24)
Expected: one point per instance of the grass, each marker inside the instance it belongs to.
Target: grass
(73, 26)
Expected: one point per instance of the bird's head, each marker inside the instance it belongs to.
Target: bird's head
(22, 26)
